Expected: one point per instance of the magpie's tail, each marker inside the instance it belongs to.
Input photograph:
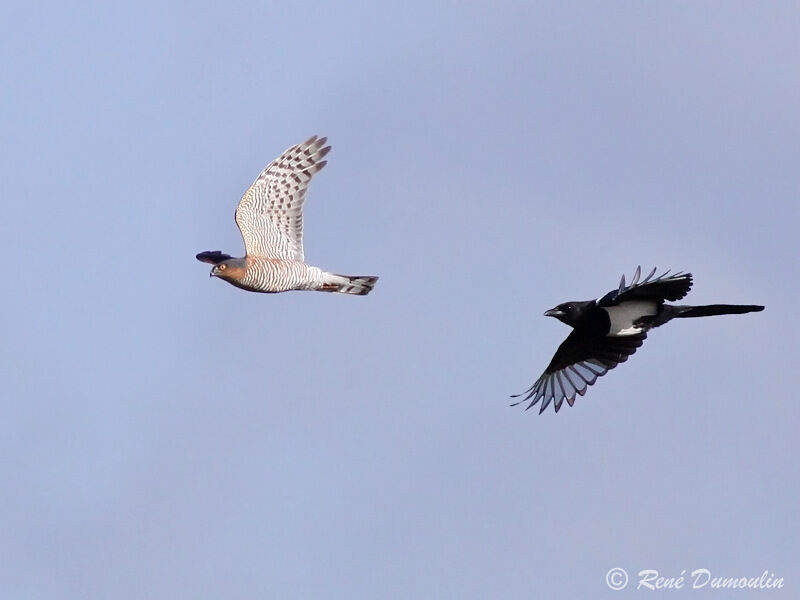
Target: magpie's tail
(710, 310)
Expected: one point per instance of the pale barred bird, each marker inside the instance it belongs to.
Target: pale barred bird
(270, 219)
(607, 331)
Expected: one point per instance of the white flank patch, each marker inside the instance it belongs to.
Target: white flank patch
(623, 316)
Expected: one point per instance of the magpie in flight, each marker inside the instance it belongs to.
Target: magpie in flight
(607, 331)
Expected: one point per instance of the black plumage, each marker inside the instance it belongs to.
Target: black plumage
(213, 257)
(609, 330)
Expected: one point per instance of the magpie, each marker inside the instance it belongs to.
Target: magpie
(607, 331)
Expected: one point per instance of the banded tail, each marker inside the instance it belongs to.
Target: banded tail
(360, 285)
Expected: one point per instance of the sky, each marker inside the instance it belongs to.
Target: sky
(163, 434)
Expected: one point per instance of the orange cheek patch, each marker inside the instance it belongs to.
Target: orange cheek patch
(235, 273)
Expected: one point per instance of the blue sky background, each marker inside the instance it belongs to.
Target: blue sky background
(166, 435)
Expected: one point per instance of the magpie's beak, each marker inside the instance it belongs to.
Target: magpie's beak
(554, 312)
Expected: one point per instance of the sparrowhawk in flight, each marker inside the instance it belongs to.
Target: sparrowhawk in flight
(270, 219)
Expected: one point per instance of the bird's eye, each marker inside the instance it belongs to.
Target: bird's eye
(222, 267)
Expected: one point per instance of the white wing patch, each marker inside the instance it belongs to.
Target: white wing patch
(626, 314)
(270, 214)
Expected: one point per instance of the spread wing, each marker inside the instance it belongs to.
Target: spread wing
(270, 214)
(664, 287)
(576, 365)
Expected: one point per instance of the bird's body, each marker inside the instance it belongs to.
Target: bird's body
(273, 275)
(270, 218)
(608, 330)
(623, 318)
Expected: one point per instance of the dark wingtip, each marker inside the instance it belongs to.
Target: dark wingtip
(212, 257)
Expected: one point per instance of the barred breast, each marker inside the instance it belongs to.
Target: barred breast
(276, 275)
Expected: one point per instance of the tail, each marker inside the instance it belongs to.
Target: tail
(360, 285)
(711, 310)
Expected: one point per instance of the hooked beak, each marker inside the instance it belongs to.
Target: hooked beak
(212, 273)
(554, 312)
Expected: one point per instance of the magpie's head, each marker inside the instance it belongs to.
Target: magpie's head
(569, 312)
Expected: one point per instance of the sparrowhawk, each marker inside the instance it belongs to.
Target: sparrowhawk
(270, 219)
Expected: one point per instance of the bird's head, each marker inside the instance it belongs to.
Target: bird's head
(569, 312)
(231, 269)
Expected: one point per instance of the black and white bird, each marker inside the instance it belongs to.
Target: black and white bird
(607, 331)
